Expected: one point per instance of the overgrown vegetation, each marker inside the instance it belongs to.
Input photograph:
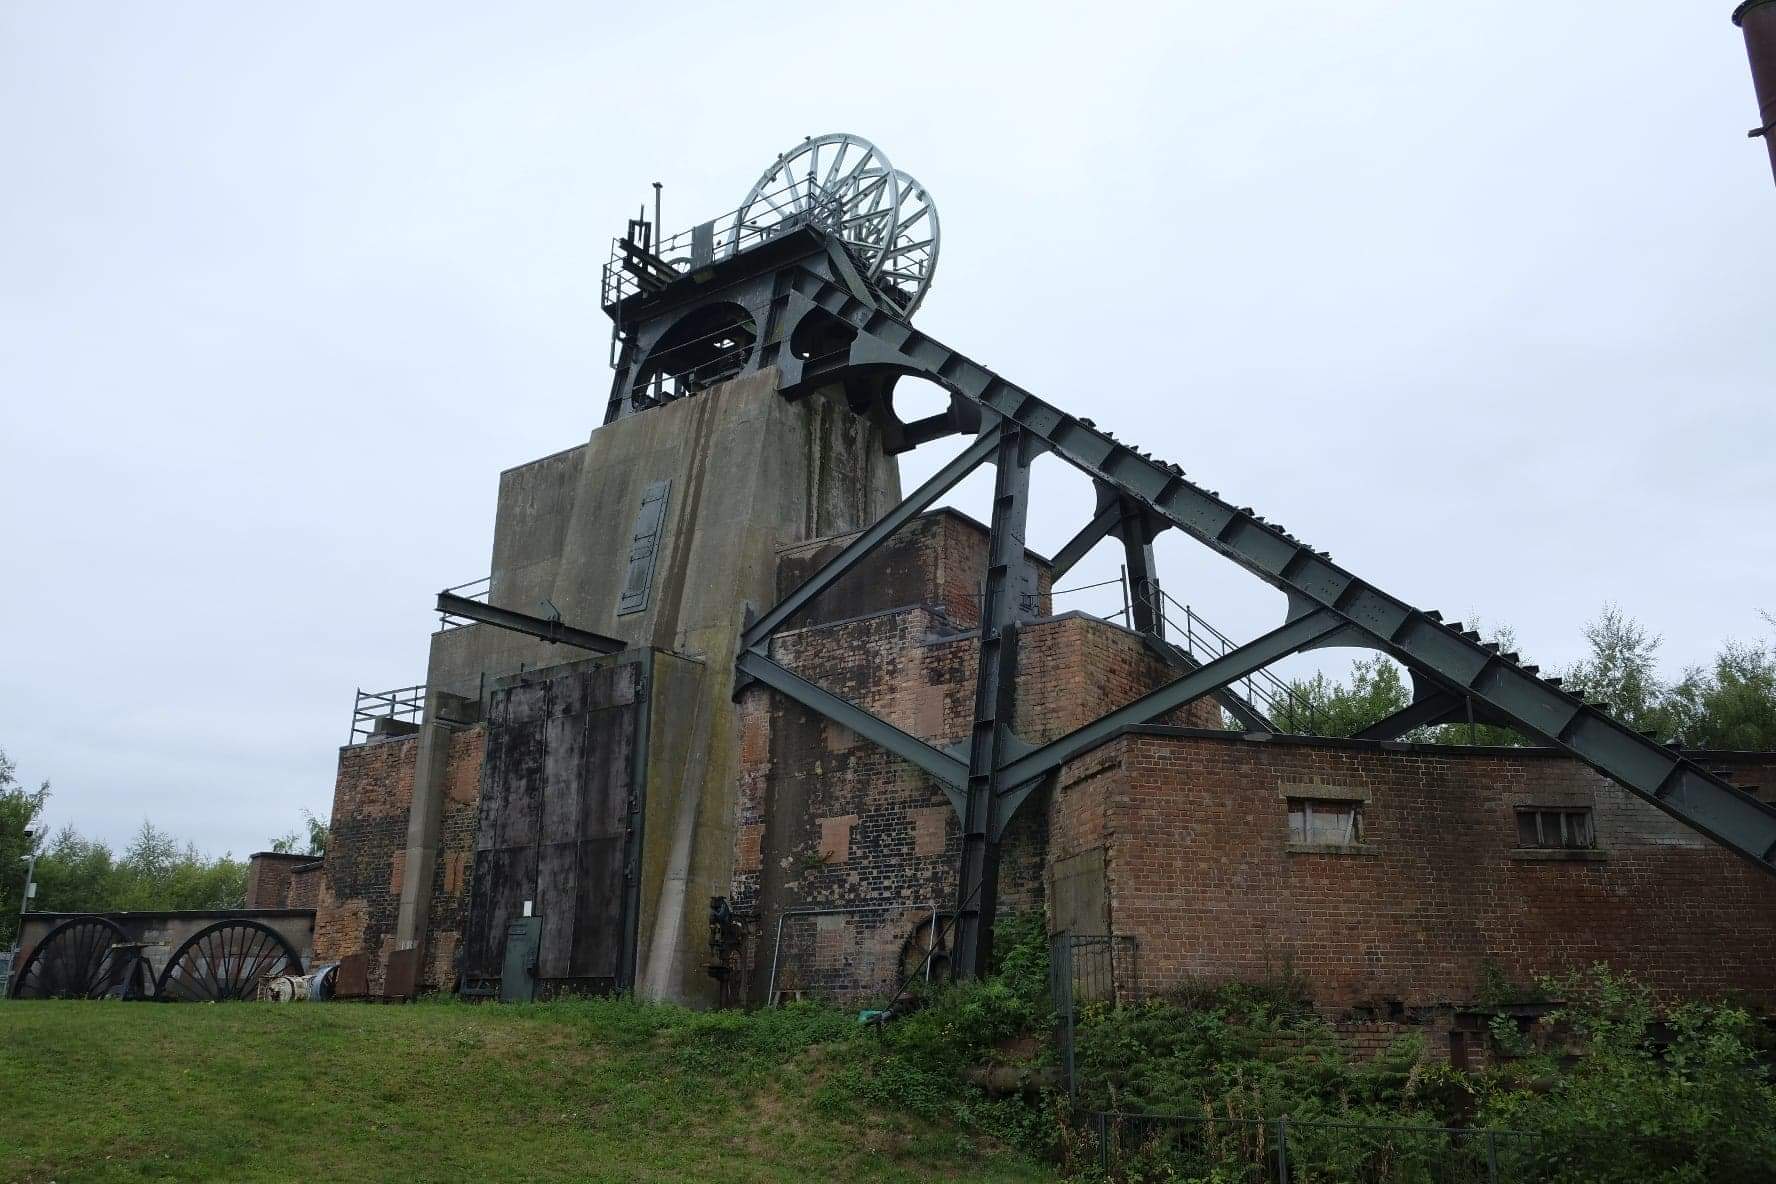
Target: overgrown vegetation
(1728, 704)
(1608, 1087)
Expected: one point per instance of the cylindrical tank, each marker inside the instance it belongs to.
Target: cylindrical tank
(1758, 19)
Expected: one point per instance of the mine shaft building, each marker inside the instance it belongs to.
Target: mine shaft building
(735, 719)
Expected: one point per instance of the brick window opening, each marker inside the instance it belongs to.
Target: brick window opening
(1325, 823)
(1556, 830)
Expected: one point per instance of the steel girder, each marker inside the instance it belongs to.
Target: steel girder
(1362, 615)
(543, 627)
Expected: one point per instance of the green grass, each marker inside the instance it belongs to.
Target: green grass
(582, 1091)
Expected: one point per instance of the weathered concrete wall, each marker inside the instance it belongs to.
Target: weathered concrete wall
(1200, 869)
(749, 473)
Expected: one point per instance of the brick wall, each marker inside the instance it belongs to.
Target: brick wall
(305, 886)
(452, 873)
(1201, 871)
(358, 899)
(268, 878)
(827, 819)
(937, 561)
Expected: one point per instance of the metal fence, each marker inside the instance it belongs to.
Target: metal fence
(1088, 968)
(1285, 1151)
(473, 590)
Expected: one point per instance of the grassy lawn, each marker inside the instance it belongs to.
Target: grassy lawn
(584, 1091)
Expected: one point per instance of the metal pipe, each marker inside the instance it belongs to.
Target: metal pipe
(1758, 20)
(659, 236)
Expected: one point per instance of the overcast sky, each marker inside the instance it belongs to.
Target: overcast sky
(1476, 297)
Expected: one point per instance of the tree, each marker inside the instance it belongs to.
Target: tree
(21, 814)
(1732, 705)
(295, 842)
(1622, 671)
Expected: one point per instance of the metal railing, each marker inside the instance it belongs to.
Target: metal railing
(1287, 1151)
(473, 590)
(728, 234)
(1188, 632)
(406, 704)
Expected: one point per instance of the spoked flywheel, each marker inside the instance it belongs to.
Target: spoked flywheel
(227, 960)
(83, 958)
(925, 954)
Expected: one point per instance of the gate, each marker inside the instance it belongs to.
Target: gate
(1088, 968)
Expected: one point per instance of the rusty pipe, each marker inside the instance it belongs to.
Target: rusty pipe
(1758, 19)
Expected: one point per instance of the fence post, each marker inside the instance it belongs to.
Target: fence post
(1283, 1150)
(1103, 1124)
(1492, 1157)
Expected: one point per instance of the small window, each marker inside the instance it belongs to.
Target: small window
(1556, 830)
(1325, 824)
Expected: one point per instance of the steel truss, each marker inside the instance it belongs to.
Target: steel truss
(1456, 675)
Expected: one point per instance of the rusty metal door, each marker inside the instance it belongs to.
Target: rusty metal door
(559, 825)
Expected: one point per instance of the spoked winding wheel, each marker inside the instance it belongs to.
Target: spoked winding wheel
(83, 958)
(927, 939)
(227, 960)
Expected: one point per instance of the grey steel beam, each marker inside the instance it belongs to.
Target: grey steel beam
(1432, 709)
(517, 622)
(1660, 775)
(1102, 523)
(1204, 680)
(1009, 600)
(952, 773)
(1143, 574)
(860, 547)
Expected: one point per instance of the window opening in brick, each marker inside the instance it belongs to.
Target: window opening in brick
(1558, 830)
(1324, 823)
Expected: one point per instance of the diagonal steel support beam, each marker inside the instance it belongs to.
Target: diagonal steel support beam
(1432, 709)
(952, 773)
(1101, 524)
(517, 622)
(860, 547)
(1495, 682)
(1204, 680)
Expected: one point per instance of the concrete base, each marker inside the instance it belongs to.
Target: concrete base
(747, 472)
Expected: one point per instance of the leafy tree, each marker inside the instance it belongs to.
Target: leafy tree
(1731, 705)
(295, 842)
(1622, 671)
(77, 874)
(21, 813)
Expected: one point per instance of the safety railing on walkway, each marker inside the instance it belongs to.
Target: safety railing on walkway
(1190, 634)
(403, 704)
(473, 590)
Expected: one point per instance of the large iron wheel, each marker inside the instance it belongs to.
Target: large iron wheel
(227, 960)
(925, 954)
(82, 958)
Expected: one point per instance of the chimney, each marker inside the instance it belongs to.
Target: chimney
(1758, 19)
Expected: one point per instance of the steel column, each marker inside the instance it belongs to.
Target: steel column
(1010, 599)
(1143, 575)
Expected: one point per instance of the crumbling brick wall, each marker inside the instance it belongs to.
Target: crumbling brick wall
(1436, 899)
(268, 878)
(358, 899)
(360, 888)
(452, 872)
(829, 820)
